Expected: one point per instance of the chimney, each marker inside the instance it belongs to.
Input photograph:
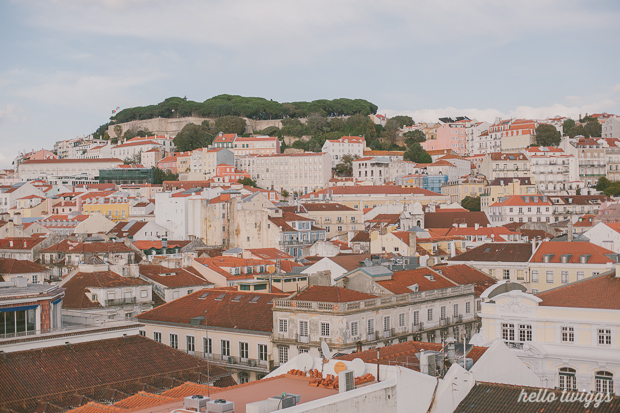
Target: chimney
(423, 362)
(17, 219)
(164, 242)
(476, 226)
(533, 246)
(451, 349)
(10, 243)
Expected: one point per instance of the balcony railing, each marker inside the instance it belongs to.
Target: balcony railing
(120, 301)
(374, 303)
(233, 361)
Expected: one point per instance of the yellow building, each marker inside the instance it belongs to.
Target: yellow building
(336, 219)
(111, 204)
(502, 187)
(568, 336)
(555, 264)
(462, 187)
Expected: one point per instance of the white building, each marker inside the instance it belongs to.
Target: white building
(204, 162)
(519, 208)
(611, 127)
(569, 336)
(301, 173)
(372, 169)
(606, 235)
(347, 145)
(49, 168)
(554, 171)
(476, 138)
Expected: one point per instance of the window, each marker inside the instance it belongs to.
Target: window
(371, 326)
(262, 352)
(244, 350)
(225, 346)
(243, 377)
(354, 329)
(467, 307)
(174, 341)
(564, 277)
(324, 329)
(604, 336)
(579, 275)
(525, 332)
(568, 334)
(142, 333)
(549, 277)
(387, 323)
(157, 336)
(456, 310)
(604, 381)
(143, 294)
(303, 328)
(190, 344)
(282, 354)
(508, 331)
(401, 320)
(416, 318)
(506, 274)
(567, 379)
(207, 346)
(443, 312)
(283, 326)
(429, 314)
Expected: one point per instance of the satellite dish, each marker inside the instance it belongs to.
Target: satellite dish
(271, 269)
(305, 362)
(327, 354)
(358, 366)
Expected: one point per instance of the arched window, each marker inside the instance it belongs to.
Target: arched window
(566, 379)
(260, 376)
(604, 382)
(244, 377)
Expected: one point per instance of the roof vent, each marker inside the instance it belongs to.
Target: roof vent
(220, 297)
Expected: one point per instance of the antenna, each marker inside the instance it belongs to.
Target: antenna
(327, 354)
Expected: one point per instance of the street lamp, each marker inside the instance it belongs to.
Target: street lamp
(207, 356)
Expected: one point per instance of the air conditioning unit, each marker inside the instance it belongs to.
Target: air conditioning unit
(286, 400)
(346, 381)
(220, 406)
(195, 403)
(231, 360)
(252, 363)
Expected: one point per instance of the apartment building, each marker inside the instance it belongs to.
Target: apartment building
(505, 187)
(568, 335)
(296, 173)
(203, 163)
(611, 127)
(554, 171)
(574, 206)
(66, 167)
(514, 134)
(256, 145)
(505, 165)
(335, 219)
(372, 169)
(558, 263)
(477, 140)
(346, 145)
(591, 157)
(230, 328)
(519, 208)
(460, 188)
(136, 146)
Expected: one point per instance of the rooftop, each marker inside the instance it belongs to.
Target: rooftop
(600, 291)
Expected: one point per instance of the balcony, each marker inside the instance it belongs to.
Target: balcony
(235, 362)
(418, 327)
(373, 303)
(120, 301)
(444, 321)
(388, 333)
(303, 339)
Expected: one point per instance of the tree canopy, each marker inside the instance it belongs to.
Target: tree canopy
(547, 135)
(345, 166)
(248, 182)
(415, 153)
(160, 176)
(567, 126)
(414, 136)
(193, 136)
(230, 124)
(471, 203)
(590, 128)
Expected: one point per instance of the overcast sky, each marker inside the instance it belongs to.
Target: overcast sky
(65, 64)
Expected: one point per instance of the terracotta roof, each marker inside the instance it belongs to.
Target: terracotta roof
(600, 291)
(91, 369)
(504, 156)
(19, 243)
(172, 277)
(145, 245)
(130, 232)
(238, 310)
(494, 397)
(361, 236)
(331, 294)
(371, 189)
(426, 279)
(187, 389)
(70, 160)
(349, 261)
(143, 400)
(405, 237)
(269, 253)
(77, 294)
(326, 206)
(13, 266)
(386, 218)
(94, 407)
(463, 274)
(74, 247)
(572, 252)
(405, 354)
(497, 252)
(444, 219)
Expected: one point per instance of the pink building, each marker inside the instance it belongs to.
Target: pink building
(449, 136)
(42, 154)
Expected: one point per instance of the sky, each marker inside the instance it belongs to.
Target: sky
(66, 64)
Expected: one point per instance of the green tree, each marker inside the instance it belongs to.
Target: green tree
(193, 136)
(593, 128)
(136, 159)
(230, 124)
(613, 189)
(567, 126)
(160, 176)
(285, 194)
(345, 166)
(247, 182)
(603, 183)
(471, 203)
(577, 130)
(415, 153)
(547, 135)
(414, 136)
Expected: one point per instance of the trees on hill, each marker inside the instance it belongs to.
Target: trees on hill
(415, 153)
(193, 136)
(547, 135)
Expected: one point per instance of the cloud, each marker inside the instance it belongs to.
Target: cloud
(12, 113)
(617, 88)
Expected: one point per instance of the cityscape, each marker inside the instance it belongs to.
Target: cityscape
(311, 207)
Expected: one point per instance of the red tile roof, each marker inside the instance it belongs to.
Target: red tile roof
(426, 279)
(601, 291)
(93, 369)
(371, 189)
(172, 277)
(238, 310)
(19, 243)
(405, 354)
(573, 251)
(146, 245)
(143, 400)
(78, 296)
(331, 294)
(74, 247)
(13, 266)
(462, 274)
(497, 252)
(269, 253)
(446, 219)
(326, 206)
